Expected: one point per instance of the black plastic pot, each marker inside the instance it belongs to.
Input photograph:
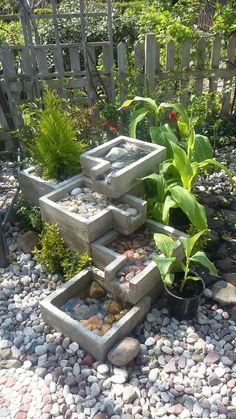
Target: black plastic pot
(183, 308)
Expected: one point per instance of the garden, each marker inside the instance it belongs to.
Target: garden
(117, 209)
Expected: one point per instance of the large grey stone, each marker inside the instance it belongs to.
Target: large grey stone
(124, 351)
(28, 241)
(224, 292)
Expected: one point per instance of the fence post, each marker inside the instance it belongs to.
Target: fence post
(121, 57)
(170, 64)
(150, 59)
(138, 64)
(231, 62)
(201, 47)
(185, 60)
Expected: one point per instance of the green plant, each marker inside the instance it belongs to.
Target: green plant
(187, 154)
(168, 263)
(202, 242)
(55, 256)
(163, 195)
(28, 216)
(55, 147)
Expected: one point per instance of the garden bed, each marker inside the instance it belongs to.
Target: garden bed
(56, 311)
(118, 165)
(129, 271)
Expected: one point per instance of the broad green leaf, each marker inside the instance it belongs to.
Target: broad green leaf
(182, 164)
(163, 135)
(221, 166)
(127, 103)
(189, 242)
(202, 149)
(156, 211)
(150, 102)
(137, 116)
(165, 244)
(191, 141)
(170, 173)
(190, 206)
(168, 204)
(183, 128)
(201, 257)
(178, 107)
(164, 264)
(169, 279)
(157, 184)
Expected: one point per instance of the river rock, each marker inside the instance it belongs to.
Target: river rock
(96, 291)
(28, 241)
(115, 154)
(76, 191)
(224, 292)
(211, 358)
(122, 353)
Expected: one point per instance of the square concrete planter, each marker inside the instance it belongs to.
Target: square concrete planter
(143, 282)
(96, 345)
(33, 186)
(95, 166)
(77, 231)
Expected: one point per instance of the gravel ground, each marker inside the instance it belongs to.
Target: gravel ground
(183, 369)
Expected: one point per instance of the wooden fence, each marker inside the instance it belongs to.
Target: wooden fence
(209, 65)
(205, 65)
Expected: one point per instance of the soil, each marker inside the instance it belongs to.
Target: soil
(191, 289)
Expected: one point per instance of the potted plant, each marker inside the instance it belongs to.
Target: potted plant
(49, 140)
(183, 286)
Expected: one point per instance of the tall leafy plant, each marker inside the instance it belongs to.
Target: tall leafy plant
(187, 154)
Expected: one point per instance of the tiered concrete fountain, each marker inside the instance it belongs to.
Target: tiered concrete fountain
(104, 303)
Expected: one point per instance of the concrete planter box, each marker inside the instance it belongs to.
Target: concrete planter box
(111, 262)
(94, 165)
(33, 187)
(96, 345)
(77, 231)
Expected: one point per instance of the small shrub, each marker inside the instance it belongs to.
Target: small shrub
(28, 216)
(55, 256)
(56, 148)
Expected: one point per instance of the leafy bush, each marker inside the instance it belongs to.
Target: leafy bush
(55, 256)
(28, 216)
(55, 147)
(89, 125)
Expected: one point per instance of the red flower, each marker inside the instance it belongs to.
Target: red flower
(172, 115)
(107, 123)
(114, 130)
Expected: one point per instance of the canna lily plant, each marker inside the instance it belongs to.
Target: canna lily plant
(189, 154)
(168, 264)
(186, 157)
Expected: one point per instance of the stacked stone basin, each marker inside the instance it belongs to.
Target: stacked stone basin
(55, 313)
(97, 214)
(79, 230)
(112, 172)
(129, 271)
